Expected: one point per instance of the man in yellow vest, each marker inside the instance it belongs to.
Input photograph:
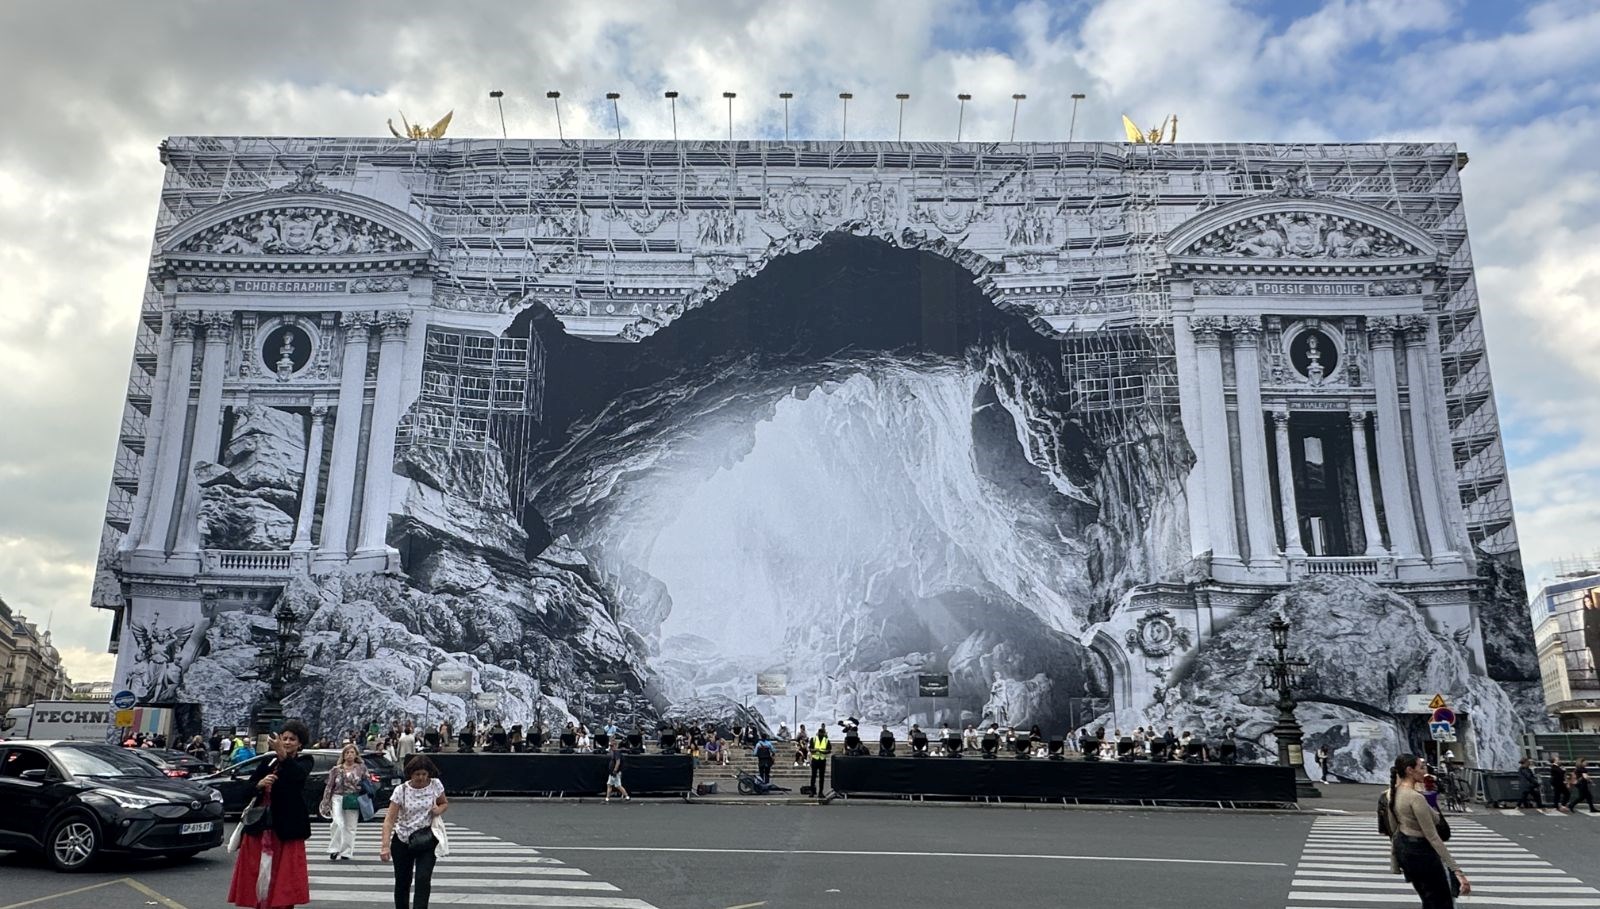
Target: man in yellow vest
(819, 760)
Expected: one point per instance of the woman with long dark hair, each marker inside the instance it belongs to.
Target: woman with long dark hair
(270, 872)
(408, 835)
(1419, 852)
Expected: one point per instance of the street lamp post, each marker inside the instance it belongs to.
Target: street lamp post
(277, 664)
(1282, 675)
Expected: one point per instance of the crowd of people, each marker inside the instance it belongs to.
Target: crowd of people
(271, 870)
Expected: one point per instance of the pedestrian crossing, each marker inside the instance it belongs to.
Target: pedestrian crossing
(1551, 812)
(481, 870)
(1345, 863)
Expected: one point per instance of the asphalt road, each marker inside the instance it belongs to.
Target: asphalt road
(672, 855)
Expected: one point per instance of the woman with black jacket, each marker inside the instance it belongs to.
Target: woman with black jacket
(270, 872)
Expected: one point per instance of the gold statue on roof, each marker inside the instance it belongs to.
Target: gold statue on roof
(418, 132)
(1153, 136)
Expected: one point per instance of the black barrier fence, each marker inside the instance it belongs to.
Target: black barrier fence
(1055, 780)
(571, 774)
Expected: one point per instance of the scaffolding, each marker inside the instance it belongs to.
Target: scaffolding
(565, 220)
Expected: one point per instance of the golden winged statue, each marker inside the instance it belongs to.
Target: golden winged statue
(1153, 136)
(416, 133)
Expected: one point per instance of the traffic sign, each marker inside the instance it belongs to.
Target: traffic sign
(1440, 729)
(124, 700)
(1437, 702)
(123, 719)
(1444, 715)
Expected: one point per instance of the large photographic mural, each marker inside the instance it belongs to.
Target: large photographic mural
(1068, 423)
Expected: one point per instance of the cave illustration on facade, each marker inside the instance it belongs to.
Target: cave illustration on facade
(1068, 423)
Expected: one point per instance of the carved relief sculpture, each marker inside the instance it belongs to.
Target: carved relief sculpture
(297, 231)
(1302, 235)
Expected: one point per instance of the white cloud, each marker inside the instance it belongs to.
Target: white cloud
(85, 108)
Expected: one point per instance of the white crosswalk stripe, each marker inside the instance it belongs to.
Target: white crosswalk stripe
(1345, 863)
(481, 870)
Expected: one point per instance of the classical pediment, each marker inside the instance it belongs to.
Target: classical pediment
(297, 230)
(1297, 231)
(1302, 235)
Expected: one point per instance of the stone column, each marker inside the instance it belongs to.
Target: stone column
(336, 512)
(207, 424)
(150, 457)
(1423, 414)
(380, 442)
(1253, 442)
(1392, 474)
(175, 414)
(1194, 484)
(1214, 435)
(1292, 547)
(1369, 507)
(308, 485)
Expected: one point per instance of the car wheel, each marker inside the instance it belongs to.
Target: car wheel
(72, 843)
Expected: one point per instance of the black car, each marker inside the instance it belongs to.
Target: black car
(234, 782)
(175, 764)
(74, 801)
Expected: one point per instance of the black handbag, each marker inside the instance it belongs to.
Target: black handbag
(421, 840)
(1443, 827)
(255, 818)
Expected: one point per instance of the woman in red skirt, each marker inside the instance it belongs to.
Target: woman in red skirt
(271, 870)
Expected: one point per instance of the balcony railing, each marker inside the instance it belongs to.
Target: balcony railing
(1371, 568)
(246, 561)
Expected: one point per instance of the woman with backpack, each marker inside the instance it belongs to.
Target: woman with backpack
(1418, 847)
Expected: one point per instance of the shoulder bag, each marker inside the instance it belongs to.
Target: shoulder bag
(420, 840)
(257, 815)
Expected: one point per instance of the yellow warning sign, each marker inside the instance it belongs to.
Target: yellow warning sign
(123, 719)
(1437, 702)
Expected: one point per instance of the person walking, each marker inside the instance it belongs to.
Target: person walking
(614, 771)
(1581, 790)
(408, 837)
(341, 803)
(1558, 782)
(1323, 756)
(1531, 798)
(1418, 850)
(270, 872)
(765, 755)
(819, 760)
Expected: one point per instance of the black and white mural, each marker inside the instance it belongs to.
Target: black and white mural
(1044, 420)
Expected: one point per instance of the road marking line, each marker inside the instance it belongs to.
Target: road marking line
(74, 892)
(1410, 897)
(493, 882)
(748, 905)
(491, 899)
(163, 900)
(1008, 855)
(443, 868)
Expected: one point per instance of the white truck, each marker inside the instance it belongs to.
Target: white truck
(78, 720)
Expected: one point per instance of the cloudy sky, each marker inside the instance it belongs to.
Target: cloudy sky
(92, 88)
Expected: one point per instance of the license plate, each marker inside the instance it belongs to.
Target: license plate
(202, 827)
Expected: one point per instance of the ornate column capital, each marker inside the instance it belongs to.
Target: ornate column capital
(1281, 418)
(1416, 329)
(1246, 330)
(394, 323)
(319, 412)
(1207, 328)
(1381, 330)
(1359, 416)
(219, 327)
(184, 323)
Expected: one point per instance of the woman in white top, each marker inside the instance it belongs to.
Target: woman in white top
(1418, 850)
(412, 807)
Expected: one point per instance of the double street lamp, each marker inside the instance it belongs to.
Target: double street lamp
(1282, 675)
